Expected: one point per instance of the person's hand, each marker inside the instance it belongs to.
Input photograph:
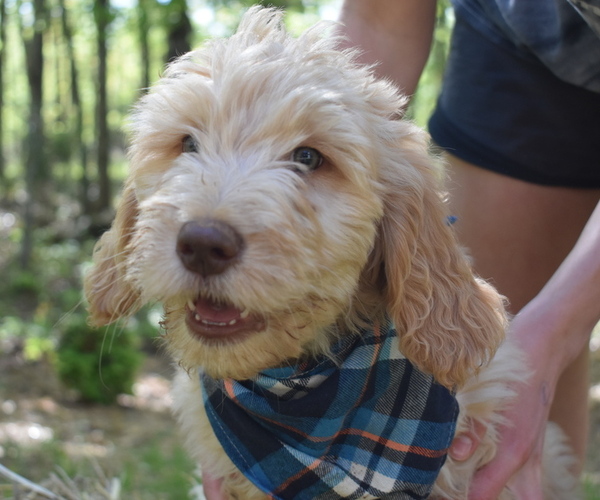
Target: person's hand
(517, 463)
(518, 458)
(212, 487)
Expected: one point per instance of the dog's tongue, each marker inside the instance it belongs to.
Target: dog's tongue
(216, 312)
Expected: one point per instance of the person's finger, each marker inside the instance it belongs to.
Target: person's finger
(462, 447)
(465, 443)
(522, 475)
(212, 487)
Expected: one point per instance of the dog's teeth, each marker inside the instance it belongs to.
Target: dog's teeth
(191, 305)
(210, 323)
(245, 313)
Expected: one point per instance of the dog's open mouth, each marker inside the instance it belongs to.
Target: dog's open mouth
(220, 321)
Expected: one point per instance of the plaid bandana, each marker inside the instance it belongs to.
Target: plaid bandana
(364, 426)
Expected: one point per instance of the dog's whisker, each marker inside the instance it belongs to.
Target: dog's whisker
(113, 257)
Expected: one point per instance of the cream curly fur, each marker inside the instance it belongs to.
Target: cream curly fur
(363, 234)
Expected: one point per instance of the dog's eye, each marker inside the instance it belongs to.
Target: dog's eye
(188, 145)
(307, 156)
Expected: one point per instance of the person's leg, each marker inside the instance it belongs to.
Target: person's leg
(518, 233)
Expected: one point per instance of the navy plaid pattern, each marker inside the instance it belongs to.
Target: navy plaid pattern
(363, 424)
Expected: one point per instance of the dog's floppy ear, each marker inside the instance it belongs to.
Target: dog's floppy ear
(449, 322)
(110, 296)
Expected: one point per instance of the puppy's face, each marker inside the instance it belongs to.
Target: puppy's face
(258, 203)
(273, 195)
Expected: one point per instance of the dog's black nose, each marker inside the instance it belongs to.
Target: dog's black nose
(208, 247)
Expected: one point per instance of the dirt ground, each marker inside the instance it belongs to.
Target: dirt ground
(35, 409)
(43, 426)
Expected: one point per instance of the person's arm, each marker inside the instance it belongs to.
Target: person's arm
(571, 298)
(552, 330)
(396, 34)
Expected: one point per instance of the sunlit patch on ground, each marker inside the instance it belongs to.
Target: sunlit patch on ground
(150, 392)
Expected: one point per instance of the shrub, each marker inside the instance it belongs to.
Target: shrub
(99, 363)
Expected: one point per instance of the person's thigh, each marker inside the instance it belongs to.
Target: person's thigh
(518, 233)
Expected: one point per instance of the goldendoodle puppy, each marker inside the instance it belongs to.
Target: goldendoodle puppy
(316, 301)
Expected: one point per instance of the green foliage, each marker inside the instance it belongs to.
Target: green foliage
(60, 144)
(35, 302)
(430, 82)
(591, 488)
(167, 473)
(25, 283)
(36, 343)
(99, 363)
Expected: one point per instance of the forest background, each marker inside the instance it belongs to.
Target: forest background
(70, 71)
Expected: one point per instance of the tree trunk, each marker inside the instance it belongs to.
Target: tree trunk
(179, 29)
(79, 145)
(102, 17)
(2, 53)
(36, 167)
(143, 26)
